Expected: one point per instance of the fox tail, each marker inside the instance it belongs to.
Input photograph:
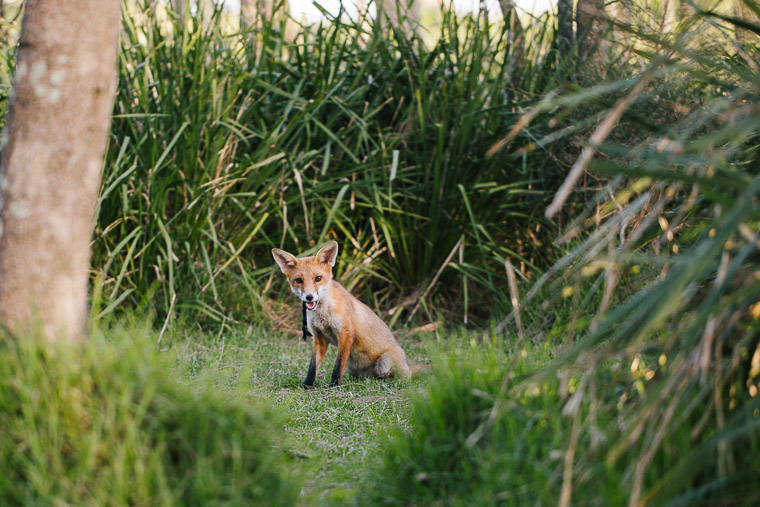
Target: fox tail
(419, 370)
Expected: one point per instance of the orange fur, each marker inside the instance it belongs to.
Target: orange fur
(366, 347)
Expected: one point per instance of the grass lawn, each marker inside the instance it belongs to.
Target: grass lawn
(335, 433)
(221, 416)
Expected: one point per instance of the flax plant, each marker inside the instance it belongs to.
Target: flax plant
(225, 144)
(662, 279)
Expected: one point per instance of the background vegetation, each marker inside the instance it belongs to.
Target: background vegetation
(225, 145)
(101, 424)
(621, 366)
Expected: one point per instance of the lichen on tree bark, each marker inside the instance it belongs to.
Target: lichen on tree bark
(55, 140)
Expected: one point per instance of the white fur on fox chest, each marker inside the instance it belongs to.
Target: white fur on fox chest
(325, 322)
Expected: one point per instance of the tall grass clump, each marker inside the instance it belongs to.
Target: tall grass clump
(226, 144)
(654, 311)
(437, 463)
(103, 423)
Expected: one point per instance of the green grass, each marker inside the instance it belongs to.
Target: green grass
(105, 422)
(336, 434)
(193, 419)
(514, 463)
(576, 432)
(221, 417)
(661, 274)
(208, 417)
(224, 145)
(637, 379)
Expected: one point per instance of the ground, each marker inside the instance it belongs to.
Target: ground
(336, 432)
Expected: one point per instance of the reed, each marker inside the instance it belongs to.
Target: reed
(225, 144)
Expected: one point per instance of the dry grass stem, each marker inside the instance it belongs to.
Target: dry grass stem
(514, 297)
(599, 135)
(435, 279)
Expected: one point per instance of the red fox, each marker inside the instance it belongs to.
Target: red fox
(366, 346)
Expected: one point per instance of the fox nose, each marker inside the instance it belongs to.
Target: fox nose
(309, 297)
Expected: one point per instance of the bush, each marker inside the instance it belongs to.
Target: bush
(659, 302)
(441, 460)
(548, 434)
(476, 441)
(101, 423)
(225, 144)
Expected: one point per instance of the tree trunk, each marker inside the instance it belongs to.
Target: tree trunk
(589, 19)
(742, 11)
(670, 15)
(408, 9)
(515, 36)
(56, 135)
(564, 26)
(181, 8)
(249, 14)
(386, 9)
(206, 11)
(253, 13)
(507, 8)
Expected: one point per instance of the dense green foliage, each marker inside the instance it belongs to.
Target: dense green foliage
(632, 375)
(103, 423)
(662, 281)
(475, 438)
(225, 145)
(515, 461)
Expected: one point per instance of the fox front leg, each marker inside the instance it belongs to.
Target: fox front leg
(317, 354)
(345, 342)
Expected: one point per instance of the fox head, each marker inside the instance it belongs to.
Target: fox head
(309, 277)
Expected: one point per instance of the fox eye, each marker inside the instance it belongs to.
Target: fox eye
(317, 279)
(299, 280)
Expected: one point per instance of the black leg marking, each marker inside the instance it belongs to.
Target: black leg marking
(311, 374)
(335, 378)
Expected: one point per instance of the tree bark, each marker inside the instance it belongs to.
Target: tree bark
(670, 15)
(564, 26)
(181, 8)
(507, 7)
(206, 11)
(249, 14)
(56, 135)
(253, 13)
(386, 9)
(390, 10)
(589, 20)
(515, 36)
(742, 11)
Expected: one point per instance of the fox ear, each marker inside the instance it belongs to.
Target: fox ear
(285, 260)
(328, 253)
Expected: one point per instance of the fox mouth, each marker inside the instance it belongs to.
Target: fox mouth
(310, 305)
